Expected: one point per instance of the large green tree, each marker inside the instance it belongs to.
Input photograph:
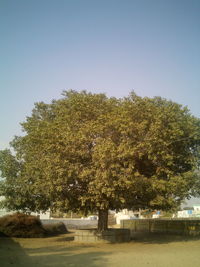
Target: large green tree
(86, 152)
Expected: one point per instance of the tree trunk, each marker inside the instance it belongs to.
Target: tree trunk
(103, 220)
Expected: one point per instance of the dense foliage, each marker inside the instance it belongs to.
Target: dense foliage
(92, 153)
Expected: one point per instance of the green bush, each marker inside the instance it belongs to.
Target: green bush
(55, 229)
(21, 225)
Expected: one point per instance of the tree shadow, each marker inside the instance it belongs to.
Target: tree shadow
(156, 238)
(69, 258)
(12, 254)
(55, 252)
(66, 237)
(60, 251)
(61, 255)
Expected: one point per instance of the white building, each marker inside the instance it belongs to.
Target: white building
(42, 215)
(126, 214)
(193, 213)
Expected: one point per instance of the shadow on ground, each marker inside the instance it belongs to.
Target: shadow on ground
(155, 238)
(61, 251)
(69, 257)
(12, 254)
(55, 252)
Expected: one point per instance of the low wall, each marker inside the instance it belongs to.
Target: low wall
(73, 223)
(107, 236)
(166, 226)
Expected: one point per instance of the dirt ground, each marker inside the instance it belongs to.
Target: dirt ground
(60, 251)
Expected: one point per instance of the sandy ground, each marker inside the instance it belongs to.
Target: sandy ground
(152, 251)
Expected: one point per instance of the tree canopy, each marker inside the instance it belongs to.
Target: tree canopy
(87, 152)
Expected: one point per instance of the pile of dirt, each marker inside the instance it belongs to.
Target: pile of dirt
(21, 225)
(55, 229)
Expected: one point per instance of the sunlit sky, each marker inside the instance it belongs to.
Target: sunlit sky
(110, 46)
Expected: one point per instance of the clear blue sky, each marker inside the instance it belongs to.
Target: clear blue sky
(111, 46)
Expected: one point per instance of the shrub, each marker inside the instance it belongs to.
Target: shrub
(21, 225)
(55, 229)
